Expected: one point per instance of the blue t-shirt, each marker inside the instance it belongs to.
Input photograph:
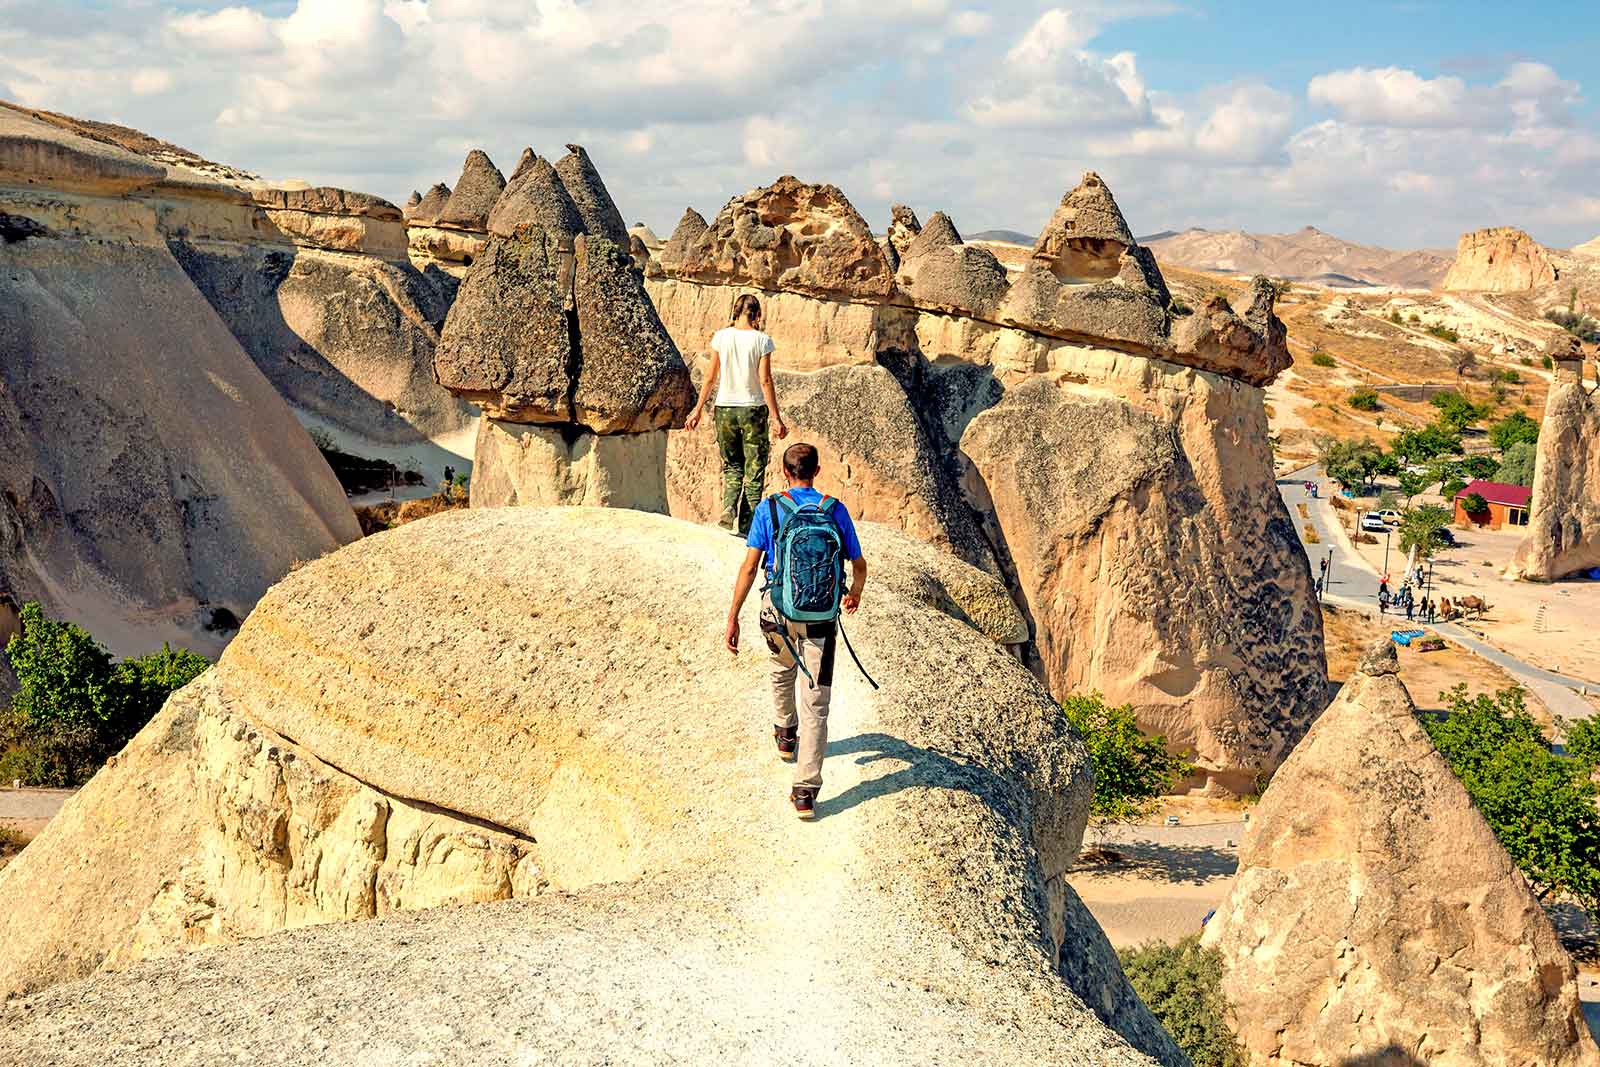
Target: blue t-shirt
(761, 532)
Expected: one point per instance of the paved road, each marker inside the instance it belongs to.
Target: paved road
(1353, 584)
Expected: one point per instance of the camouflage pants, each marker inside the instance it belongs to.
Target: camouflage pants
(742, 440)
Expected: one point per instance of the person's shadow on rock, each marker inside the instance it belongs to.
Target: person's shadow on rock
(1393, 1056)
(925, 767)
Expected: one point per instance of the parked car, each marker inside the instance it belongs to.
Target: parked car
(1390, 516)
(1447, 537)
(1372, 522)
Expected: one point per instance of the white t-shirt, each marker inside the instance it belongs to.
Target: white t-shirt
(739, 380)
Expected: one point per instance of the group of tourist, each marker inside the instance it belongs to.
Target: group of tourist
(1426, 610)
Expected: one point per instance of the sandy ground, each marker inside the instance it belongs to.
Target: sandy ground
(1567, 641)
(24, 813)
(1170, 877)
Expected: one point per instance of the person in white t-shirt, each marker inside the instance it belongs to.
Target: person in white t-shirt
(741, 373)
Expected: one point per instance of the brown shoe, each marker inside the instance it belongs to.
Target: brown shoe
(804, 801)
(787, 738)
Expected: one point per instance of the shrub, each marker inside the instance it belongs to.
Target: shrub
(1394, 317)
(1131, 770)
(1579, 325)
(1513, 429)
(1456, 412)
(1178, 309)
(1510, 377)
(74, 707)
(1541, 805)
(1583, 741)
(1182, 986)
(1363, 399)
(321, 438)
(1474, 504)
(1322, 359)
(1443, 333)
(1517, 465)
(1419, 528)
(1451, 487)
(1549, 364)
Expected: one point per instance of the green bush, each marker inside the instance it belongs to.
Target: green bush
(1322, 359)
(1451, 487)
(1549, 364)
(1363, 399)
(1443, 333)
(1517, 465)
(1583, 741)
(1474, 504)
(1182, 986)
(1510, 377)
(1419, 529)
(1514, 428)
(1131, 770)
(1541, 805)
(74, 707)
(1456, 412)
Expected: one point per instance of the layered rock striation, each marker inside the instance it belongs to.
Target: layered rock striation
(1057, 428)
(152, 481)
(1563, 535)
(514, 720)
(1375, 917)
(1500, 259)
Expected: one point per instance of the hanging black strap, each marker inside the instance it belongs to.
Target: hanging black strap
(853, 655)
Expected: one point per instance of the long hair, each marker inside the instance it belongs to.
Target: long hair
(749, 307)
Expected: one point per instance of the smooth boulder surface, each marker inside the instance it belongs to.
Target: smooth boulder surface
(548, 681)
(1375, 918)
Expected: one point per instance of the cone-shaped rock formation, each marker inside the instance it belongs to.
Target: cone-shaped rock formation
(689, 230)
(1086, 236)
(431, 205)
(1374, 909)
(536, 196)
(1563, 535)
(595, 206)
(475, 193)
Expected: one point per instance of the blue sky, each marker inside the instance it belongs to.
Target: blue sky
(1391, 123)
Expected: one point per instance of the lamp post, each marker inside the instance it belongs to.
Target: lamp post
(1387, 534)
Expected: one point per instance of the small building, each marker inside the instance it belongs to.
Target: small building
(1507, 505)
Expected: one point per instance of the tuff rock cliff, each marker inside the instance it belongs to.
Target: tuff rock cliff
(1501, 259)
(1058, 429)
(152, 481)
(1563, 535)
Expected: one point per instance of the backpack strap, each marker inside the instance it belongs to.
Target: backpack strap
(825, 505)
(790, 506)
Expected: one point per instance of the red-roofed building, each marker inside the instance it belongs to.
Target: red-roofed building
(1507, 505)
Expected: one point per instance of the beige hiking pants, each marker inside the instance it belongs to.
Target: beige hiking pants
(795, 701)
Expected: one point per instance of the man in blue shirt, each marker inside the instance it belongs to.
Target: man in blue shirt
(801, 734)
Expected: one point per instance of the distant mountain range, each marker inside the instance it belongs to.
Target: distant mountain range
(1010, 237)
(1306, 255)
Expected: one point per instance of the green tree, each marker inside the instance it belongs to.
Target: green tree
(74, 707)
(1474, 504)
(1422, 445)
(1132, 770)
(1540, 804)
(1479, 466)
(1456, 412)
(1516, 468)
(1182, 986)
(1515, 428)
(1420, 528)
(1352, 464)
(1411, 484)
(1583, 742)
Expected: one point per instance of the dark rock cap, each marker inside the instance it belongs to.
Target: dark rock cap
(433, 202)
(476, 191)
(411, 204)
(684, 236)
(940, 232)
(595, 206)
(537, 197)
(524, 161)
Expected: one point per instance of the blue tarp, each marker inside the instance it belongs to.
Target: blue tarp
(1405, 637)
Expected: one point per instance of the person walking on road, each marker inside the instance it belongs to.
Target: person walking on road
(741, 373)
(805, 538)
(1410, 609)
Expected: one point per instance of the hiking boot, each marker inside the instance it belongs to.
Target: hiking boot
(787, 738)
(804, 801)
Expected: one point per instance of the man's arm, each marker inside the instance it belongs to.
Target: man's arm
(741, 589)
(779, 429)
(712, 371)
(858, 581)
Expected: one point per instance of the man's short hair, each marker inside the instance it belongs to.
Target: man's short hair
(800, 461)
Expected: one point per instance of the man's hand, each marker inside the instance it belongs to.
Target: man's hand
(781, 429)
(850, 602)
(693, 421)
(730, 640)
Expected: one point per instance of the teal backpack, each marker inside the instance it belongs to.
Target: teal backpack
(808, 570)
(807, 560)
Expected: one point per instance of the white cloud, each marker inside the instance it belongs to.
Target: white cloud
(149, 80)
(983, 109)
